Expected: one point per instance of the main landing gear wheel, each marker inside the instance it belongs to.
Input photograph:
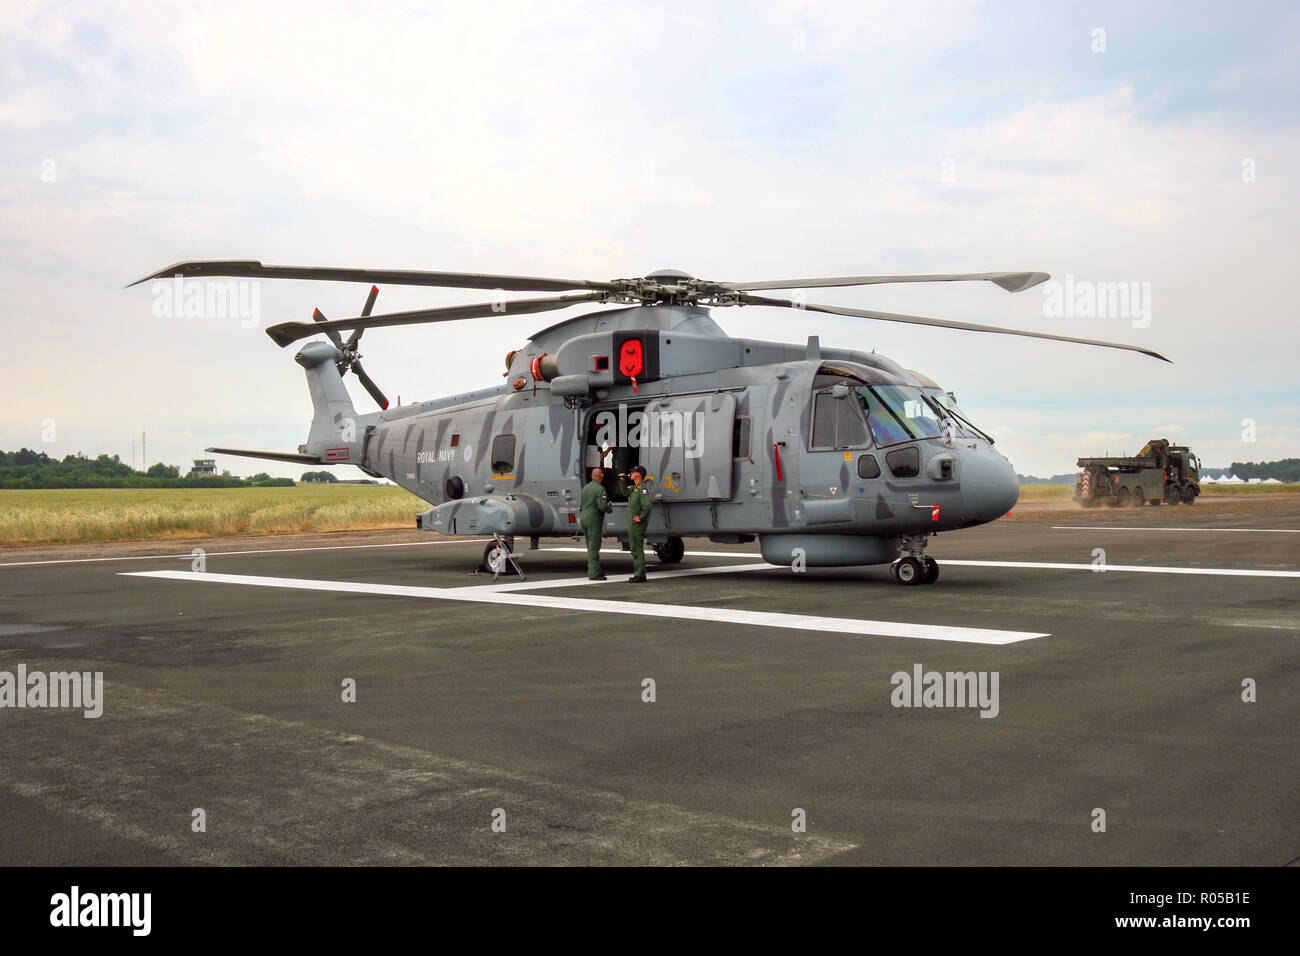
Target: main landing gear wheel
(496, 560)
(671, 551)
(931, 570)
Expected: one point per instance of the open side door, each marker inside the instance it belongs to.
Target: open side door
(687, 446)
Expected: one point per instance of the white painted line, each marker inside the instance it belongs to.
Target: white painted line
(226, 554)
(1084, 527)
(800, 622)
(618, 578)
(689, 554)
(1055, 566)
(1044, 565)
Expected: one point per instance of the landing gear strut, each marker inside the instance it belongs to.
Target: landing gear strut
(916, 567)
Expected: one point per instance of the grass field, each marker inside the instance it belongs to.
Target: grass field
(139, 514)
(128, 514)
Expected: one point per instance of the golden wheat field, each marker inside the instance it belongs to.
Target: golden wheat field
(126, 514)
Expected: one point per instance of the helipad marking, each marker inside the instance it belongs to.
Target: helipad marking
(1061, 566)
(1084, 527)
(485, 595)
(652, 575)
(1044, 565)
(227, 554)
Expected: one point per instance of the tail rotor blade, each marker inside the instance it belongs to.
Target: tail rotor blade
(365, 313)
(368, 384)
(319, 316)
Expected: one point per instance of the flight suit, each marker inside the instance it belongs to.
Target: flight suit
(639, 504)
(595, 505)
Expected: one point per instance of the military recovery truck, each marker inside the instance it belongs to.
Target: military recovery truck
(1159, 472)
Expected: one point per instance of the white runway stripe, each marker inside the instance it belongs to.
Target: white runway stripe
(1084, 527)
(489, 595)
(1061, 566)
(652, 575)
(1043, 565)
(225, 554)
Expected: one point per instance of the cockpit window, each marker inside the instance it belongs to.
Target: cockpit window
(899, 413)
(836, 423)
(959, 419)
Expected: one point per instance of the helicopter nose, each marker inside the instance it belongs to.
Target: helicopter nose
(989, 487)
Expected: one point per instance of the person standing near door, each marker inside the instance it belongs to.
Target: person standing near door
(639, 504)
(594, 506)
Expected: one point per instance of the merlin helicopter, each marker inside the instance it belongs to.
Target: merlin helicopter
(828, 456)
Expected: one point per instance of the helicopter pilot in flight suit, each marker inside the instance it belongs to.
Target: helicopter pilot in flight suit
(639, 504)
(595, 505)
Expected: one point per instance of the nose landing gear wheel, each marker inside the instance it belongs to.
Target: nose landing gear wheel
(909, 570)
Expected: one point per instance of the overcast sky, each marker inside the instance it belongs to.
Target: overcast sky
(1157, 146)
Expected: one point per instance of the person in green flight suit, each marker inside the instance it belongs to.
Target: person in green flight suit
(639, 504)
(595, 505)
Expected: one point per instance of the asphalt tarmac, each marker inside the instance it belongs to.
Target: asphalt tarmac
(508, 723)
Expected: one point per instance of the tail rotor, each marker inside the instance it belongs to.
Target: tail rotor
(350, 358)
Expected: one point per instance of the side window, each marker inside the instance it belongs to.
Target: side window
(868, 467)
(850, 429)
(904, 462)
(740, 439)
(823, 425)
(503, 453)
(835, 423)
(455, 440)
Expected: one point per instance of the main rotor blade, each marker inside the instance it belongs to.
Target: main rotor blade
(318, 316)
(1011, 281)
(940, 323)
(252, 269)
(368, 384)
(287, 332)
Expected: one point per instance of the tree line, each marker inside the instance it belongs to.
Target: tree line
(26, 468)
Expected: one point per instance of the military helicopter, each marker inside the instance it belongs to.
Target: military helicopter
(829, 457)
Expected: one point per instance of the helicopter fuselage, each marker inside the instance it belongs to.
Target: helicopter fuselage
(828, 456)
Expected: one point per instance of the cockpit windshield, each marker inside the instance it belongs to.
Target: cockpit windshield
(949, 404)
(899, 413)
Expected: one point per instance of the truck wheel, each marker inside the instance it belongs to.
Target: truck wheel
(1189, 494)
(1123, 497)
(1138, 499)
(1173, 495)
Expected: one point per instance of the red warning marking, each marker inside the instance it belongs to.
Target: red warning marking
(934, 513)
(337, 454)
(631, 360)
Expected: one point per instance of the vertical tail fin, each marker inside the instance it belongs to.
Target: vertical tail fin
(337, 433)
